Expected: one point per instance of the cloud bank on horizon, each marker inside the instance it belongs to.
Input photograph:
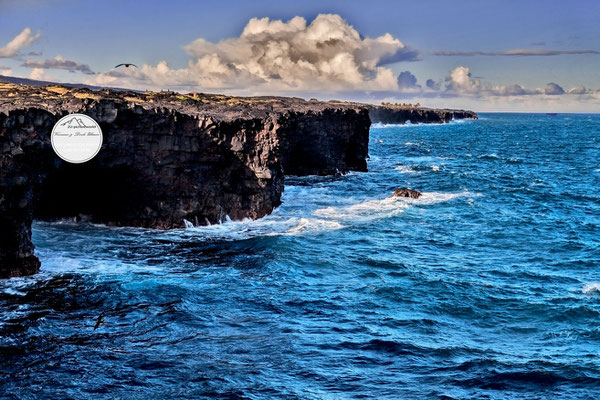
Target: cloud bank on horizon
(295, 57)
(514, 52)
(59, 62)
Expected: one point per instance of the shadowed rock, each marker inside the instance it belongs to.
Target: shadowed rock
(416, 115)
(165, 157)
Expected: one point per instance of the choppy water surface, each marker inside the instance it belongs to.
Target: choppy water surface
(488, 286)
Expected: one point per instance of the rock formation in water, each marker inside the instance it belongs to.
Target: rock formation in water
(404, 192)
(165, 157)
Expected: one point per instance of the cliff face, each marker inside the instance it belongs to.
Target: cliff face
(165, 157)
(333, 141)
(400, 115)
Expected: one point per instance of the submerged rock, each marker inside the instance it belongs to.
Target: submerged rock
(404, 192)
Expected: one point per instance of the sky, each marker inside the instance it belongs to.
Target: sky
(540, 56)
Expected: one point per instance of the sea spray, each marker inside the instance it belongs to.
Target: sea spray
(591, 288)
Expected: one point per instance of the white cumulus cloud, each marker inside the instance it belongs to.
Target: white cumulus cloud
(461, 82)
(327, 54)
(19, 42)
(38, 74)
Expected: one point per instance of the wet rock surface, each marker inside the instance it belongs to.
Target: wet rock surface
(404, 192)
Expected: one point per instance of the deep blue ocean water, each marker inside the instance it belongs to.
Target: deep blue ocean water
(486, 287)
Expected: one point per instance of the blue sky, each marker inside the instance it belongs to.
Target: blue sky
(101, 34)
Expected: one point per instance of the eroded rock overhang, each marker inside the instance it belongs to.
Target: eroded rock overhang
(165, 157)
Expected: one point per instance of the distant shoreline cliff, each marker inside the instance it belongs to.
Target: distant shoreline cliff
(416, 115)
(168, 156)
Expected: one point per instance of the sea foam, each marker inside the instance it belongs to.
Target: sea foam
(404, 169)
(386, 207)
(591, 288)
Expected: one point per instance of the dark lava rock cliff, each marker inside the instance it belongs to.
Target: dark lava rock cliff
(167, 157)
(390, 114)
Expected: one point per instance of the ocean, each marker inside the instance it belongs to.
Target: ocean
(488, 286)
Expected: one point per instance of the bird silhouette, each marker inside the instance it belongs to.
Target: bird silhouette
(99, 321)
(126, 65)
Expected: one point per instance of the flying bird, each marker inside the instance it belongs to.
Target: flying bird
(99, 321)
(126, 65)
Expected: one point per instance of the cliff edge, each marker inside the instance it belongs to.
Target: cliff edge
(391, 114)
(165, 157)
(168, 156)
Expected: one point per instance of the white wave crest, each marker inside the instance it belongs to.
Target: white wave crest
(489, 156)
(320, 220)
(591, 288)
(272, 225)
(367, 210)
(440, 197)
(385, 208)
(404, 169)
(408, 124)
(54, 261)
(312, 224)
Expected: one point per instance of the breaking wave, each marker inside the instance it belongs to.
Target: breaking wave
(386, 207)
(271, 225)
(591, 288)
(408, 124)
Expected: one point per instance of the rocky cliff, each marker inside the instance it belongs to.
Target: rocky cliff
(165, 157)
(400, 115)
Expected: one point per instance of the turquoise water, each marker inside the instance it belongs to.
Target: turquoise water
(488, 286)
